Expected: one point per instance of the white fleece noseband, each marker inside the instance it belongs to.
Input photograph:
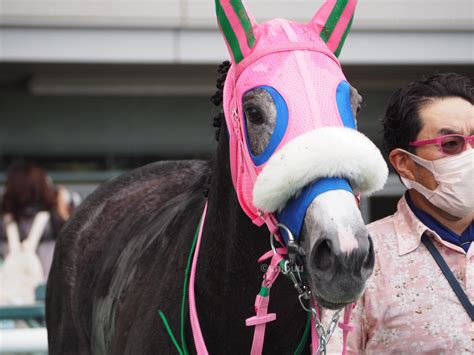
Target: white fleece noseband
(322, 153)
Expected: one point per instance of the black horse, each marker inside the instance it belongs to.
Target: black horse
(117, 284)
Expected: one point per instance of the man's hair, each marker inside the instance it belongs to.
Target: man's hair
(402, 123)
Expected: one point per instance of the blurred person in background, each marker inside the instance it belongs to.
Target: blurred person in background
(32, 213)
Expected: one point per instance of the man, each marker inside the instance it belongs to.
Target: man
(408, 306)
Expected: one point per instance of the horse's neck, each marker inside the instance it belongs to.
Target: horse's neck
(228, 275)
(231, 242)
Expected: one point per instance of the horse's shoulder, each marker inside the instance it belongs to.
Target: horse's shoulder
(157, 180)
(161, 176)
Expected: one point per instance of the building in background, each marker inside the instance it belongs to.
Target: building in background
(92, 87)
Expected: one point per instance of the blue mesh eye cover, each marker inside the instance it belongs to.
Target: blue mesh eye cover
(281, 125)
(343, 99)
(295, 210)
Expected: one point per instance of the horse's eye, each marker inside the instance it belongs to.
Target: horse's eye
(359, 107)
(254, 115)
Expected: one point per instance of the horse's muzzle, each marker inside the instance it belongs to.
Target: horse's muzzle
(338, 278)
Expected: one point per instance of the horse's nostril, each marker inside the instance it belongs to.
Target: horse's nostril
(323, 256)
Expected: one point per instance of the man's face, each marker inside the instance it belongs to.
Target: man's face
(440, 117)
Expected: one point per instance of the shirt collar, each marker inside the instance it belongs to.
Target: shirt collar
(408, 228)
(441, 230)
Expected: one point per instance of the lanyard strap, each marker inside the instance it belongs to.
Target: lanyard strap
(466, 303)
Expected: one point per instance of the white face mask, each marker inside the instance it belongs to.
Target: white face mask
(455, 178)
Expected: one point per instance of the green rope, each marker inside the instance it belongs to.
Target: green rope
(264, 291)
(185, 288)
(183, 350)
(304, 338)
(170, 332)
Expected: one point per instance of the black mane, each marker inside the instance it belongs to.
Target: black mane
(217, 98)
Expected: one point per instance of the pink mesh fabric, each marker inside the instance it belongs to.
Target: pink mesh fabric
(307, 78)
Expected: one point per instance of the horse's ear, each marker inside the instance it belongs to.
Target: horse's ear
(236, 25)
(333, 22)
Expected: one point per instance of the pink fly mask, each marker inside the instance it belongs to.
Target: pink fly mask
(314, 146)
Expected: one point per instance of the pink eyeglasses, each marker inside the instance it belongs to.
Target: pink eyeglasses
(450, 144)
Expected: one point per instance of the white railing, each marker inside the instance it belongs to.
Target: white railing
(26, 340)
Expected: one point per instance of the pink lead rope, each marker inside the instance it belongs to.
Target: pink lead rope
(262, 301)
(260, 320)
(197, 333)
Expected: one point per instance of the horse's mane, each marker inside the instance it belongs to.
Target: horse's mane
(217, 98)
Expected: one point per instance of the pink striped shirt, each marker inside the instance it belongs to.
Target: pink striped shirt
(408, 306)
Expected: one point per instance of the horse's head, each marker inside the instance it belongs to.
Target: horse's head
(296, 156)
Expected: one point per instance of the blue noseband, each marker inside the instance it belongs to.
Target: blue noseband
(294, 212)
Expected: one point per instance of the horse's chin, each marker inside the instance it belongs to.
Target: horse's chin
(330, 305)
(334, 304)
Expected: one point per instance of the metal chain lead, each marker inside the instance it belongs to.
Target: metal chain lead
(325, 335)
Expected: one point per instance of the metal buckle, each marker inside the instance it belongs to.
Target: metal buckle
(292, 246)
(291, 268)
(272, 243)
(272, 236)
